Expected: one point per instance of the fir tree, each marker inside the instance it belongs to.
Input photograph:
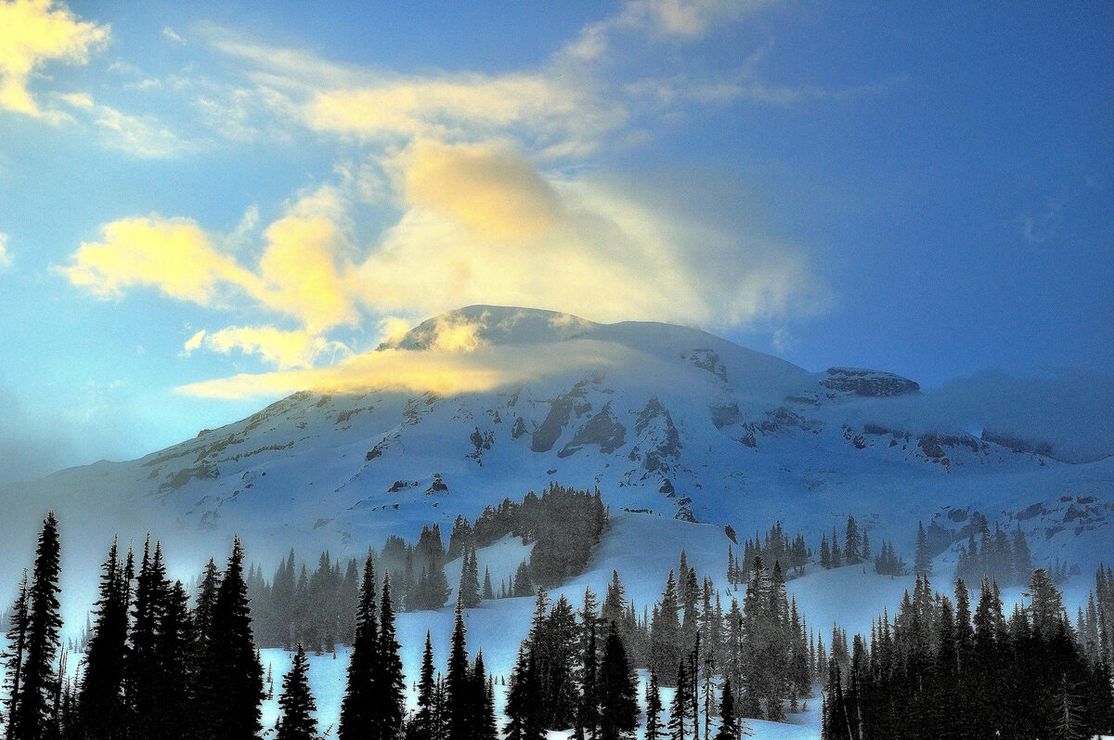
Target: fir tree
(100, 701)
(233, 677)
(469, 590)
(17, 649)
(457, 683)
(489, 592)
(679, 708)
(618, 702)
(654, 728)
(922, 561)
(296, 704)
(357, 716)
(423, 726)
(32, 706)
(728, 724)
(524, 699)
(388, 679)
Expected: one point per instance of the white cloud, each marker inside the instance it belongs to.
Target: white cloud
(5, 257)
(140, 136)
(173, 36)
(34, 33)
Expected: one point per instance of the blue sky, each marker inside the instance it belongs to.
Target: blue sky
(190, 193)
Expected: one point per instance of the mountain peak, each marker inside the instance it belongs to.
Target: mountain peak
(479, 325)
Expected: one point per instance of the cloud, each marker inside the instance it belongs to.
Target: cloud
(5, 257)
(283, 349)
(482, 225)
(193, 343)
(34, 33)
(477, 224)
(140, 136)
(436, 370)
(173, 36)
(663, 20)
(173, 255)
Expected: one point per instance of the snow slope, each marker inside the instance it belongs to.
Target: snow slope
(684, 433)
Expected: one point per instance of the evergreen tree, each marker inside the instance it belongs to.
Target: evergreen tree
(589, 712)
(296, 704)
(524, 699)
(143, 674)
(357, 716)
(423, 726)
(100, 701)
(922, 561)
(458, 682)
(679, 708)
(618, 702)
(469, 590)
(17, 648)
(654, 728)
(665, 630)
(388, 679)
(728, 724)
(232, 682)
(852, 544)
(489, 592)
(32, 706)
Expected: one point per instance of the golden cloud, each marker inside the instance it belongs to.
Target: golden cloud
(495, 194)
(285, 350)
(439, 371)
(173, 255)
(33, 33)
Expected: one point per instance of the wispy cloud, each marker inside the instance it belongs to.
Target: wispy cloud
(5, 256)
(141, 136)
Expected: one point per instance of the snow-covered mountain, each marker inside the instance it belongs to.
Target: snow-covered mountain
(665, 420)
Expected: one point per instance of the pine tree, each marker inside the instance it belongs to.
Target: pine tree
(423, 726)
(489, 592)
(922, 561)
(296, 704)
(17, 649)
(679, 708)
(233, 677)
(142, 670)
(654, 729)
(357, 718)
(457, 683)
(100, 701)
(484, 726)
(589, 711)
(32, 705)
(852, 544)
(388, 679)
(524, 699)
(469, 590)
(728, 724)
(618, 702)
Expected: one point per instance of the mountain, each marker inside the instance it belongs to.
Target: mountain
(664, 419)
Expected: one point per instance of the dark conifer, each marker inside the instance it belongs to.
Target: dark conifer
(728, 724)
(423, 725)
(388, 679)
(232, 685)
(33, 705)
(296, 704)
(357, 718)
(13, 657)
(458, 683)
(654, 728)
(618, 700)
(100, 701)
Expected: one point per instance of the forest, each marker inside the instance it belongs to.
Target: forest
(161, 662)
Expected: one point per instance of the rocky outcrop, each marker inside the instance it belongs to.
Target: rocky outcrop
(603, 429)
(868, 383)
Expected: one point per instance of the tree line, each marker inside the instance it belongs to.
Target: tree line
(317, 607)
(939, 671)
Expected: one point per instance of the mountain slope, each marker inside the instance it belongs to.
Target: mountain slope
(663, 419)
